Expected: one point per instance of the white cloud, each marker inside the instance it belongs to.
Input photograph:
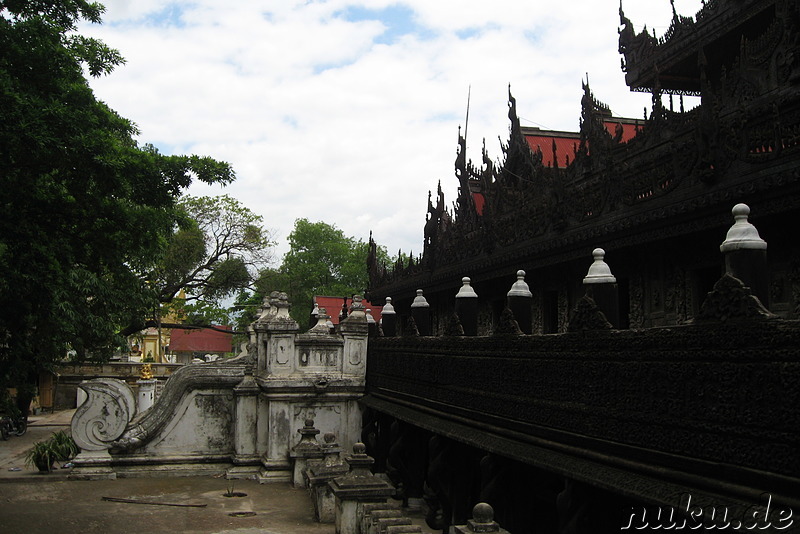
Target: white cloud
(331, 119)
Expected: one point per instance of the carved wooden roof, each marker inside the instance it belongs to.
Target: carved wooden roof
(681, 173)
(722, 32)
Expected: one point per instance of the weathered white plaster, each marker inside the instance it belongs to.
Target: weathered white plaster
(146, 395)
(109, 406)
(243, 412)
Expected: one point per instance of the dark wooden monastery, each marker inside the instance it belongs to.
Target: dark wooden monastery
(659, 203)
(675, 389)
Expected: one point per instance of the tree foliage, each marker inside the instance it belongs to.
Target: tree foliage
(323, 261)
(217, 249)
(83, 208)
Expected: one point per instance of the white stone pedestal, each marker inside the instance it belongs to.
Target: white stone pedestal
(147, 394)
(92, 465)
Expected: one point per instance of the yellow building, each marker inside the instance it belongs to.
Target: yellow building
(151, 344)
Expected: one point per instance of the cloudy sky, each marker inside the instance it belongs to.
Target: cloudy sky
(347, 111)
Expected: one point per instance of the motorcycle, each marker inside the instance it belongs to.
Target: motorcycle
(13, 425)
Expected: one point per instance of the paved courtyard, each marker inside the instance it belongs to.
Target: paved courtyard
(65, 506)
(32, 503)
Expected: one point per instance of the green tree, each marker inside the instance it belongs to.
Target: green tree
(83, 208)
(217, 250)
(322, 260)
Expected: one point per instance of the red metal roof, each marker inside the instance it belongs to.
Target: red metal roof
(567, 142)
(480, 202)
(630, 127)
(201, 340)
(333, 306)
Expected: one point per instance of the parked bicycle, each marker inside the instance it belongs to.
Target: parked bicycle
(14, 424)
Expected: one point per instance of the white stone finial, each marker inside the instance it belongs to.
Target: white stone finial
(322, 323)
(466, 290)
(482, 520)
(370, 318)
(265, 310)
(282, 306)
(388, 309)
(520, 287)
(357, 304)
(742, 235)
(420, 301)
(599, 271)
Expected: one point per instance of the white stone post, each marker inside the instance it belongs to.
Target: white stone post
(601, 286)
(421, 312)
(280, 330)
(319, 473)
(246, 460)
(308, 449)
(146, 396)
(467, 307)
(482, 521)
(355, 332)
(389, 319)
(358, 486)
(746, 254)
(520, 300)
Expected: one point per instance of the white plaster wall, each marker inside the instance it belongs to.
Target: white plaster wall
(203, 424)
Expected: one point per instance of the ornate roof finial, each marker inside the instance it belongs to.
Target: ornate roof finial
(466, 120)
(599, 271)
(520, 288)
(420, 301)
(742, 235)
(512, 105)
(466, 290)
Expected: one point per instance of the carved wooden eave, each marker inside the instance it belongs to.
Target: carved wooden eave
(680, 175)
(672, 61)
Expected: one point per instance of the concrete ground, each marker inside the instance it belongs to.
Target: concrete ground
(33, 503)
(12, 452)
(67, 506)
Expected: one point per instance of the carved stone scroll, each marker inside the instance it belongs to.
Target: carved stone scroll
(103, 417)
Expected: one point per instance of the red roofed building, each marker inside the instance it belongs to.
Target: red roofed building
(561, 146)
(556, 148)
(333, 307)
(186, 345)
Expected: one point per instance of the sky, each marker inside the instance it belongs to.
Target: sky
(348, 111)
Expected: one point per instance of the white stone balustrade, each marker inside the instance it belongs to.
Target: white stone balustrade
(239, 414)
